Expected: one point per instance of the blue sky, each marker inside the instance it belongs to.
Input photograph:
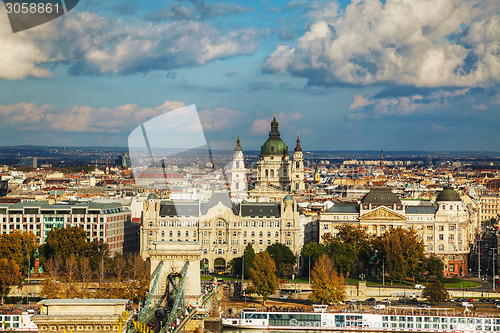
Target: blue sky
(349, 75)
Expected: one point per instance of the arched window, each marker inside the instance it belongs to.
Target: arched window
(297, 165)
(253, 233)
(451, 247)
(244, 233)
(272, 173)
(267, 173)
(441, 247)
(237, 164)
(260, 234)
(430, 247)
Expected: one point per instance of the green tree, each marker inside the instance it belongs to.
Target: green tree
(403, 252)
(283, 258)
(263, 273)
(435, 292)
(10, 275)
(434, 266)
(343, 255)
(249, 255)
(327, 285)
(313, 250)
(66, 241)
(357, 237)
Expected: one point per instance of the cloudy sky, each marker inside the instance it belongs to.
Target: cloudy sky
(347, 75)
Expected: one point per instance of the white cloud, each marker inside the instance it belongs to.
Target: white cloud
(372, 107)
(79, 118)
(96, 45)
(412, 42)
(220, 118)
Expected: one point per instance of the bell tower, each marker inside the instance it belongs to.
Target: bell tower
(238, 173)
(298, 169)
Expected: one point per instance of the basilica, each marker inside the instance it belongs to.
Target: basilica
(275, 170)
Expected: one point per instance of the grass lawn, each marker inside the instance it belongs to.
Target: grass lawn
(467, 284)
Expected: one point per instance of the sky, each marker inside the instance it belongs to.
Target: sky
(345, 75)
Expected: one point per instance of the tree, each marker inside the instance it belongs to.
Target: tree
(263, 275)
(344, 255)
(313, 251)
(435, 292)
(403, 252)
(66, 241)
(10, 274)
(249, 257)
(434, 266)
(283, 257)
(19, 247)
(327, 285)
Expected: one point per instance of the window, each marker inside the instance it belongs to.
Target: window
(244, 233)
(441, 247)
(268, 234)
(276, 234)
(288, 225)
(325, 226)
(441, 236)
(253, 233)
(276, 224)
(260, 234)
(235, 251)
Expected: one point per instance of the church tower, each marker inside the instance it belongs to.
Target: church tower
(274, 161)
(298, 169)
(238, 173)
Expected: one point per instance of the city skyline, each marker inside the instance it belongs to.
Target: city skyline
(346, 75)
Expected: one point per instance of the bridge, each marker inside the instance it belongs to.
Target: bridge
(175, 289)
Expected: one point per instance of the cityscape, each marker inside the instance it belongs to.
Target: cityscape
(261, 166)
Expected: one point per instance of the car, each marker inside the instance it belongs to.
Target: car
(386, 300)
(286, 296)
(371, 299)
(498, 305)
(419, 286)
(378, 307)
(467, 305)
(353, 300)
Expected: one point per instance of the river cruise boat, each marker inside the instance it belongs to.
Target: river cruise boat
(398, 319)
(16, 320)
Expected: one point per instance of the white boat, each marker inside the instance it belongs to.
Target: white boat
(407, 320)
(17, 321)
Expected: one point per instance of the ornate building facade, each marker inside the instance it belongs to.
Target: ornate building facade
(223, 228)
(445, 227)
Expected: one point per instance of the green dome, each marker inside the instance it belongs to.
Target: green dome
(448, 194)
(274, 145)
(151, 196)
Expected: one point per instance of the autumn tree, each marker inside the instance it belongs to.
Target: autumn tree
(435, 292)
(283, 257)
(19, 247)
(403, 252)
(10, 275)
(263, 273)
(71, 268)
(327, 285)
